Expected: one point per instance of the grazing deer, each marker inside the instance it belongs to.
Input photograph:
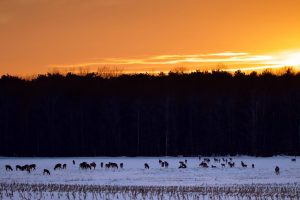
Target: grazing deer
(28, 169)
(25, 167)
(182, 165)
(88, 166)
(111, 165)
(277, 170)
(223, 164)
(8, 168)
(114, 165)
(146, 166)
(57, 166)
(84, 165)
(46, 171)
(231, 164)
(166, 164)
(253, 166)
(32, 166)
(293, 159)
(203, 164)
(243, 164)
(213, 166)
(18, 167)
(64, 166)
(163, 163)
(107, 165)
(93, 164)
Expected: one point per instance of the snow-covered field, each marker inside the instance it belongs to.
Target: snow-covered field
(133, 175)
(133, 172)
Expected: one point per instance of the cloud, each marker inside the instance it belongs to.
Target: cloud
(254, 68)
(222, 57)
(229, 54)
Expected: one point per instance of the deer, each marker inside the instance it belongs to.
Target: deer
(166, 164)
(18, 167)
(203, 164)
(46, 172)
(243, 164)
(182, 165)
(8, 168)
(32, 166)
(57, 166)
(84, 165)
(93, 164)
(231, 164)
(277, 170)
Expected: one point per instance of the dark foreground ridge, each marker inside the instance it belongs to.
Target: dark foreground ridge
(65, 191)
(147, 115)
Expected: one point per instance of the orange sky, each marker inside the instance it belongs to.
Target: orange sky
(139, 35)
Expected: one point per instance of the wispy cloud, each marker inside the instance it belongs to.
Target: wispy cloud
(222, 57)
(254, 68)
(229, 54)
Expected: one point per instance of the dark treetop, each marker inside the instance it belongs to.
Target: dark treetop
(145, 115)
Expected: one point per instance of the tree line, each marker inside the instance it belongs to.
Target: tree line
(198, 113)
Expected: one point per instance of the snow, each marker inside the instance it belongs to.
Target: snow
(135, 182)
(134, 174)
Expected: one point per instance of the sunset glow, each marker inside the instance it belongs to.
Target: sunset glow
(292, 59)
(37, 36)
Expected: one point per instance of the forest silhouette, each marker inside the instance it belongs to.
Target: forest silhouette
(198, 113)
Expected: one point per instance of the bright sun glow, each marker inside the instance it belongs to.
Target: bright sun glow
(292, 59)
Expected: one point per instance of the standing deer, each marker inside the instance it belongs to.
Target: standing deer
(93, 165)
(277, 170)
